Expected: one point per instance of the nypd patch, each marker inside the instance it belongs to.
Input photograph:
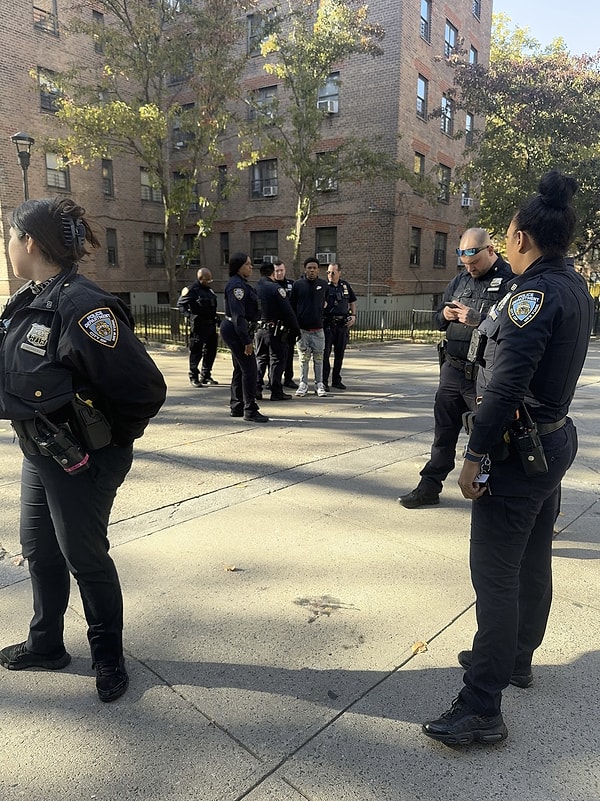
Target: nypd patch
(238, 293)
(282, 292)
(524, 306)
(101, 326)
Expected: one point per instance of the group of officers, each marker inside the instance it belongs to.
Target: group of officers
(261, 326)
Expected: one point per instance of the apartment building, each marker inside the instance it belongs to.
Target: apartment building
(396, 248)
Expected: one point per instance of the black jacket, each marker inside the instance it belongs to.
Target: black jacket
(274, 304)
(75, 337)
(308, 301)
(200, 303)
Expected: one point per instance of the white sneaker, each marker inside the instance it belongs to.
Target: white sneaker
(302, 390)
(320, 390)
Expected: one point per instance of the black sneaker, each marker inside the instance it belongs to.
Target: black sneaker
(418, 498)
(522, 680)
(195, 382)
(461, 726)
(291, 384)
(111, 680)
(256, 417)
(338, 385)
(234, 413)
(210, 381)
(17, 657)
(282, 396)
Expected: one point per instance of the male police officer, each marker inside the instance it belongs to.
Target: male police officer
(287, 284)
(277, 319)
(466, 302)
(199, 303)
(339, 316)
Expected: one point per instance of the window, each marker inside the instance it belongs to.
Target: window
(154, 248)
(112, 256)
(450, 37)
(473, 55)
(108, 185)
(326, 244)
(224, 247)
(466, 201)
(476, 9)
(222, 182)
(469, 124)
(445, 176)
(326, 168)
(328, 97)
(182, 189)
(182, 123)
(124, 296)
(440, 249)
(45, 16)
(256, 30)
(415, 247)
(263, 182)
(185, 71)
(422, 90)
(263, 103)
(263, 243)
(98, 19)
(446, 121)
(419, 167)
(49, 92)
(150, 192)
(425, 25)
(57, 172)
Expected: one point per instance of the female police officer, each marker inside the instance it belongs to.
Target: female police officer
(79, 388)
(533, 359)
(237, 332)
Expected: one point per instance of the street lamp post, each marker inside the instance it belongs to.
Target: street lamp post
(23, 143)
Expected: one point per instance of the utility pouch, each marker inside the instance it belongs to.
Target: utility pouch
(441, 348)
(90, 425)
(526, 441)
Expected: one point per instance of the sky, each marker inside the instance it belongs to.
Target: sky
(578, 23)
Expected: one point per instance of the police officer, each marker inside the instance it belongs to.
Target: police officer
(535, 356)
(78, 387)
(277, 320)
(339, 316)
(237, 331)
(287, 284)
(199, 304)
(466, 301)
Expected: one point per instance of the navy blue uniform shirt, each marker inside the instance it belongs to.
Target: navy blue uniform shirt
(273, 303)
(241, 304)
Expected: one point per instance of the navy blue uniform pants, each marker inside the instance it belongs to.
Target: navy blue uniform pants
(203, 348)
(271, 354)
(336, 339)
(455, 395)
(511, 568)
(64, 521)
(288, 373)
(244, 378)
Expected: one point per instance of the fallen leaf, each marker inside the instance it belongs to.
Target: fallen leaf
(230, 568)
(419, 647)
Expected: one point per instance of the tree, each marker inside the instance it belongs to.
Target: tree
(541, 112)
(302, 41)
(155, 56)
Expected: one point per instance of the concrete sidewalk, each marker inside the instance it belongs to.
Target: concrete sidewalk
(274, 590)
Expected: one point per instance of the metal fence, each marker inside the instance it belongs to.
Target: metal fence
(156, 324)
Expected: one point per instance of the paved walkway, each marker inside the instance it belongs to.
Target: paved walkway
(274, 590)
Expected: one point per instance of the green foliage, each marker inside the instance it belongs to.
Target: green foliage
(303, 42)
(151, 52)
(541, 112)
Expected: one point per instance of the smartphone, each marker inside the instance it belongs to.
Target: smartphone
(451, 304)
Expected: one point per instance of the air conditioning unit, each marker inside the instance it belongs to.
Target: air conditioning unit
(330, 106)
(326, 185)
(466, 201)
(270, 259)
(269, 191)
(326, 258)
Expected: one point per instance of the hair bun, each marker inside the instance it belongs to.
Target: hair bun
(556, 189)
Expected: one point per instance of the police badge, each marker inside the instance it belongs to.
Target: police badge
(101, 326)
(37, 339)
(524, 306)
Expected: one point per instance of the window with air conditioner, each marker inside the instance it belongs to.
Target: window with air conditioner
(263, 246)
(328, 97)
(263, 179)
(326, 244)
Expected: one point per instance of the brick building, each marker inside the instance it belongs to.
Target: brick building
(396, 248)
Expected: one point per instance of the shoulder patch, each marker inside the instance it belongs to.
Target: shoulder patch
(238, 293)
(101, 326)
(524, 306)
(282, 292)
(185, 291)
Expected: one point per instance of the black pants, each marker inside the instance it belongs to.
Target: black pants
(511, 568)
(244, 378)
(288, 373)
(455, 395)
(64, 522)
(271, 354)
(203, 348)
(336, 339)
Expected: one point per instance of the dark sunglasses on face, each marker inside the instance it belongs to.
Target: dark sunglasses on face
(470, 251)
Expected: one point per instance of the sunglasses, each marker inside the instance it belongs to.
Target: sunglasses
(470, 251)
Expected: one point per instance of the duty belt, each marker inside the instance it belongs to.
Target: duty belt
(468, 368)
(548, 428)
